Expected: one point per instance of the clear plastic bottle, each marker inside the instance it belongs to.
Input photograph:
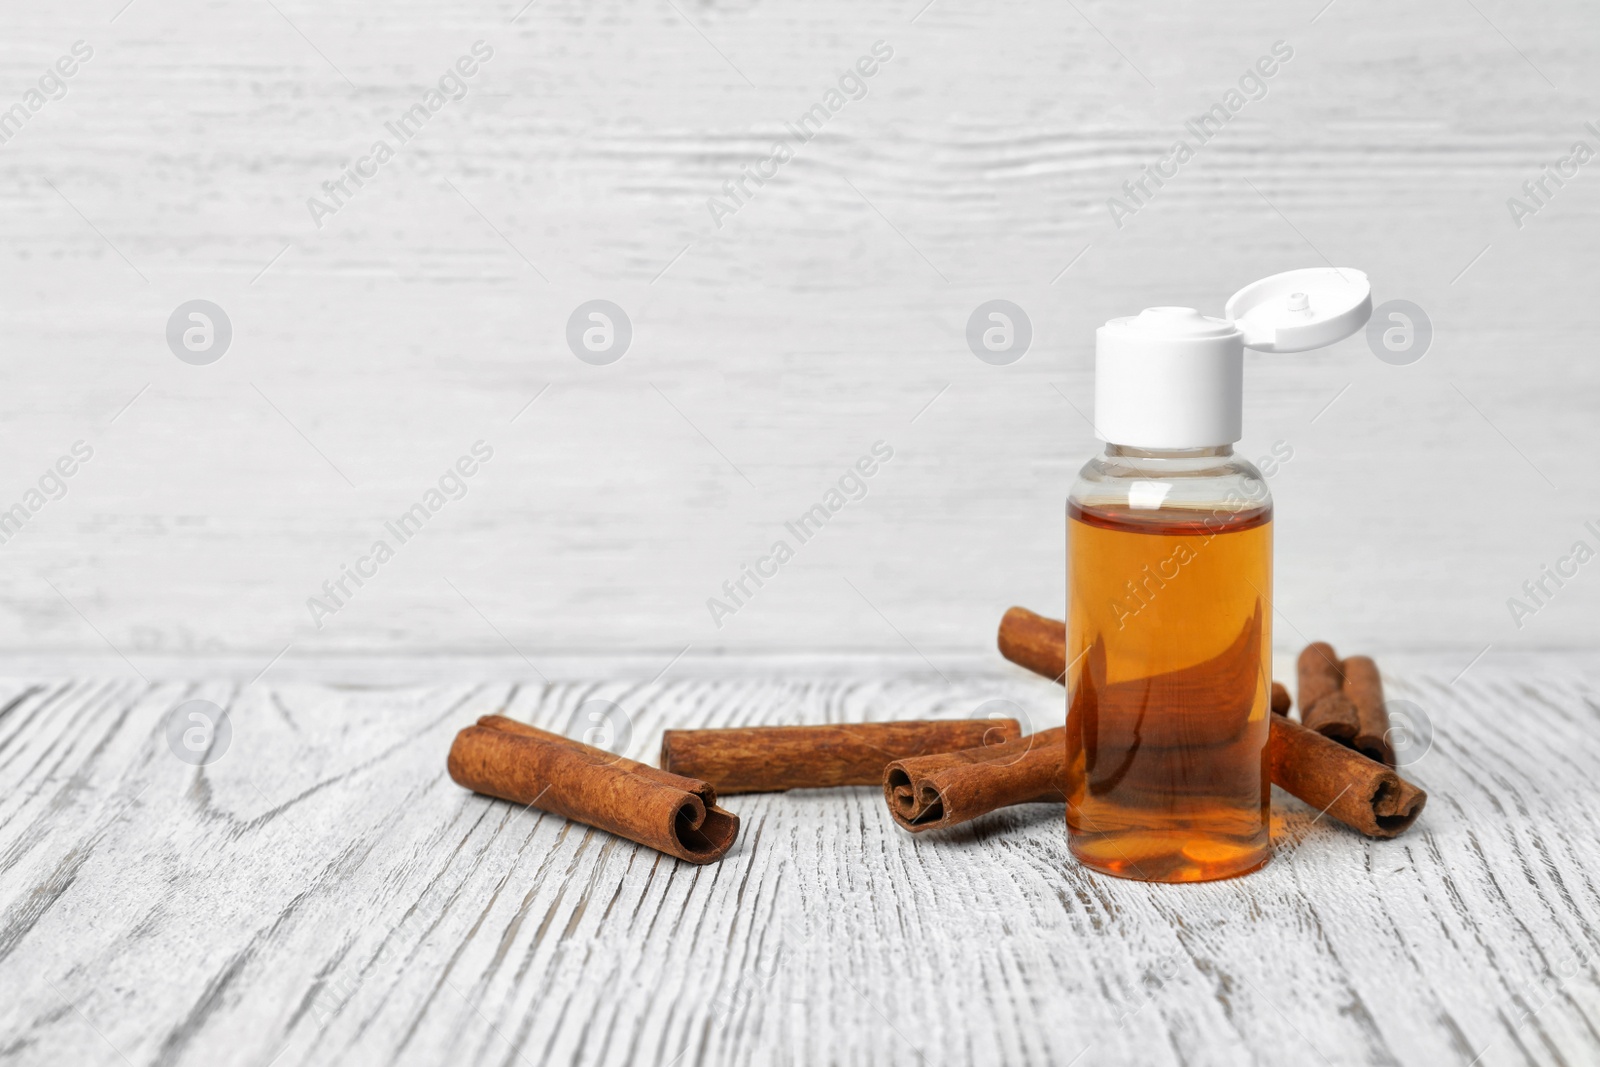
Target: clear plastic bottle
(1169, 558)
(1169, 586)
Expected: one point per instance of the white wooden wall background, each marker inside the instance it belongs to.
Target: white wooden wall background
(828, 313)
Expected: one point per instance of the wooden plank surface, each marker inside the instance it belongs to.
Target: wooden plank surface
(324, 893)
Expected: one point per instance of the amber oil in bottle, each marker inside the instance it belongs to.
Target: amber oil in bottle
(1169, 642)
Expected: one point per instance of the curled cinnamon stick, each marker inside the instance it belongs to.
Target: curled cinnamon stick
(1363, 685)
(947, 789)
(668, 812)
(1280, 699)
(770, 759)
(1359, 792)
(1324, 707)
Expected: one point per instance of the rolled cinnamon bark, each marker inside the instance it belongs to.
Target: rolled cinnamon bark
(1359, 792)
(1364, 686)
(771, 759)
(947, 789)
(668, 812)
(1280, 699)
(1323, 704)
(1035, 642)
(1319, 673)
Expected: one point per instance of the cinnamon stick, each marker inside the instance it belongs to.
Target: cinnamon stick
(1353, 789)
(668, 812)
(947, 789)
(1280, 699)
(1357, 791)
(771, 759)
(1364, 686)
(1031, 641)
(1324, 707)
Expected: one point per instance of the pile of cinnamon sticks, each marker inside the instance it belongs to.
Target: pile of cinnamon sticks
(934, 774)
(1319, 759)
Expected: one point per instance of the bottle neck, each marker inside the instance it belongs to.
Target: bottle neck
(1208, 452)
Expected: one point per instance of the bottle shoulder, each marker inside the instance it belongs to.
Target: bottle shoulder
(1130, 488)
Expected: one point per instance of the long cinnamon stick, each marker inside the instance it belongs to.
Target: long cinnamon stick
(771, 759)
(1353, 789)
(1364, 686)
(947, 789)
(668, 812)
(1324, 707)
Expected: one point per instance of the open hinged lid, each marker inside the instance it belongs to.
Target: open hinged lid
(1171, 377)
(1300, 310)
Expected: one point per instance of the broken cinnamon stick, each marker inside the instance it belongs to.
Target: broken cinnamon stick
(668, 812)
(947, 789)
(1324, 707)
(771, 759)
(1358, 791)
(1364, 686)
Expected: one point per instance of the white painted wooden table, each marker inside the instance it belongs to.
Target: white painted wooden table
(324, 893)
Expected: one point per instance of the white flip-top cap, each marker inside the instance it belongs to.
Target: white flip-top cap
(1171, 377)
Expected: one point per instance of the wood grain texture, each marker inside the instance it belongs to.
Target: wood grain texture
(323, 893)
(769, 353)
